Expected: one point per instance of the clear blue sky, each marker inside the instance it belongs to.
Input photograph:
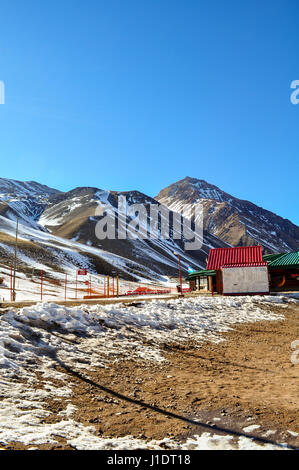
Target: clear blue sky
(137, 94)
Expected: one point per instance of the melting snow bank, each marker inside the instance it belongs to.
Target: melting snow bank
(33, 340)
(95, 334)
(26, 426)
(205, 441)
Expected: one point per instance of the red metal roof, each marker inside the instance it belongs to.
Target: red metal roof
(246, 265)
(241, 255)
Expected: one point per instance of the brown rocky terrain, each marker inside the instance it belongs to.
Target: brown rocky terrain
(232, 220)
(218, 388)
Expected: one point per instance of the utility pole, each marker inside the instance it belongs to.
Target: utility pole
(15, 263)
(180, 272)
(116, 278)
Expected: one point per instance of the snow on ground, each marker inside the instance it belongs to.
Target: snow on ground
(28, 286)
(205, 441)
(33, 340)
(70, 255)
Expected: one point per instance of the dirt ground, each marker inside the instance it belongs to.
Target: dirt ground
(248, 379)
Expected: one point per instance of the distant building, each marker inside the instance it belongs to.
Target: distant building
(233, 271)
(243, 270)
(283, 271)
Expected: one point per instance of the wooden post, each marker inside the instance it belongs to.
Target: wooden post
(11, 283)
(76, 283)
(15, 263)
(108, 286)
(41, 284)
(65, 286)
(181, 287)
(210, 283)
(117, 285)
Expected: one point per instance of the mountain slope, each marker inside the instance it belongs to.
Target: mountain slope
(38, 250)
(26, 200)
(234, 221)
(57, 231)
(73, 216)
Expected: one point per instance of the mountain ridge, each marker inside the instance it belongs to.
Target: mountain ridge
(236, 221)
(71, 216)
(228, 221)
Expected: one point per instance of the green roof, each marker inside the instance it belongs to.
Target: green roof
(285, 260)
(203, 272)
(272, 257)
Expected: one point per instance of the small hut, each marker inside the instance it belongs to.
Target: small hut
(233, 271)
(202, 280)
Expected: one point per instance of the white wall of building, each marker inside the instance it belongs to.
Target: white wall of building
(245, 280)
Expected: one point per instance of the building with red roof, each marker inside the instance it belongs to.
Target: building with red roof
(239, 256)
(234, 271)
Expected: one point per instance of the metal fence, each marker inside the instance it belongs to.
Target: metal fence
(50, 286)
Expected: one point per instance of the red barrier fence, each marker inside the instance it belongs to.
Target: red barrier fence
(51, 286)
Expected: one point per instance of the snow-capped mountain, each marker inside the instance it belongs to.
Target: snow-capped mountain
(59, 229)
(72, 215)
(26, 200)
(232, 220)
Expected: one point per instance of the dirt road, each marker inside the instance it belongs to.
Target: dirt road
(245, 386)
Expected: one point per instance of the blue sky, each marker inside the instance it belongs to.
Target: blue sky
(137, 94)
